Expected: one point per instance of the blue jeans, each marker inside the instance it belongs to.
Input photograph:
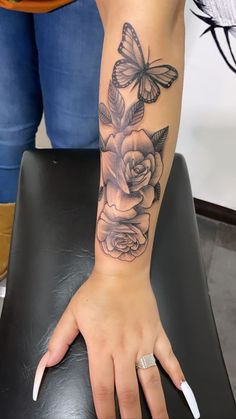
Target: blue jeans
(49, 62)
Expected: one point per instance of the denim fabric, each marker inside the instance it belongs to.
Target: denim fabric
(49, 62)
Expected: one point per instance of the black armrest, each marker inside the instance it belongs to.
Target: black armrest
(52, 254)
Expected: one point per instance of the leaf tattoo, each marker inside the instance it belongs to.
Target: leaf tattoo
(116, 104)
(134, 114)
(131, 158)
(159, 138)
(102, 144)
(104, 114)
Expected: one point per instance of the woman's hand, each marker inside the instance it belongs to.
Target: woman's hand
(119, 320)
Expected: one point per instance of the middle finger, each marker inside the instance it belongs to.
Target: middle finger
(127, 387)
(101, 371)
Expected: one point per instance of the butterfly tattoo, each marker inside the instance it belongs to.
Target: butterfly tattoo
(133, 68)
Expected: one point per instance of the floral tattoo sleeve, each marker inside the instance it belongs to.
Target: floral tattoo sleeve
(131, 157)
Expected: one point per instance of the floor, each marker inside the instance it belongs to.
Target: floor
(218, 241)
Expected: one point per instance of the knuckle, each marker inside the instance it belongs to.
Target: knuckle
(176, 368)
(154, 379)
(102, 392)
(170, 352)
(121, 343)
(168, 355)
(173, 365)
(172, 360)
(99, 342)
(128, 397)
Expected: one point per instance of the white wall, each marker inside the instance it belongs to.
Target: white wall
(207, 135)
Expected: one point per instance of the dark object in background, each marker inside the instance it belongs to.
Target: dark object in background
(215, 212)
(52, 254)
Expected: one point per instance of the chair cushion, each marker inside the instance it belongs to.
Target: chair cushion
(52, 254)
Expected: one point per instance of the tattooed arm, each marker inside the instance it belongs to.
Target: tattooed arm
(140, 99)
(115, 309)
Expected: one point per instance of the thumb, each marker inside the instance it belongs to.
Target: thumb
(62, 337)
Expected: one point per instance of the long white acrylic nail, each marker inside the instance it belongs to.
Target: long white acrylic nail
(39, 375)
(189, 396)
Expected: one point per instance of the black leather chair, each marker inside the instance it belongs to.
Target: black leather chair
(51, 256)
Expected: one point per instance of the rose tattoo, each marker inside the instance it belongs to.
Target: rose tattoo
(131, 158)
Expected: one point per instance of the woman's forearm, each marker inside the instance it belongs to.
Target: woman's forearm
(140, 100)
(139, 107)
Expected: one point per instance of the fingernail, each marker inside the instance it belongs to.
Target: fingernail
(189, 396)
(39, 375)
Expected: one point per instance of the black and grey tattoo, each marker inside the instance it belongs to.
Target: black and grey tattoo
(220, 16)
(131, 158)
(132, 68)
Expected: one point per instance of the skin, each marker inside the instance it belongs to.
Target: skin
(101, 308)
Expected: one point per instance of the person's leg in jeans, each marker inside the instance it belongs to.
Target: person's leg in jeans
(20, 111)
(69, 41)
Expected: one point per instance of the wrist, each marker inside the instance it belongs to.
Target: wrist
(113, 272)
(110, 267)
